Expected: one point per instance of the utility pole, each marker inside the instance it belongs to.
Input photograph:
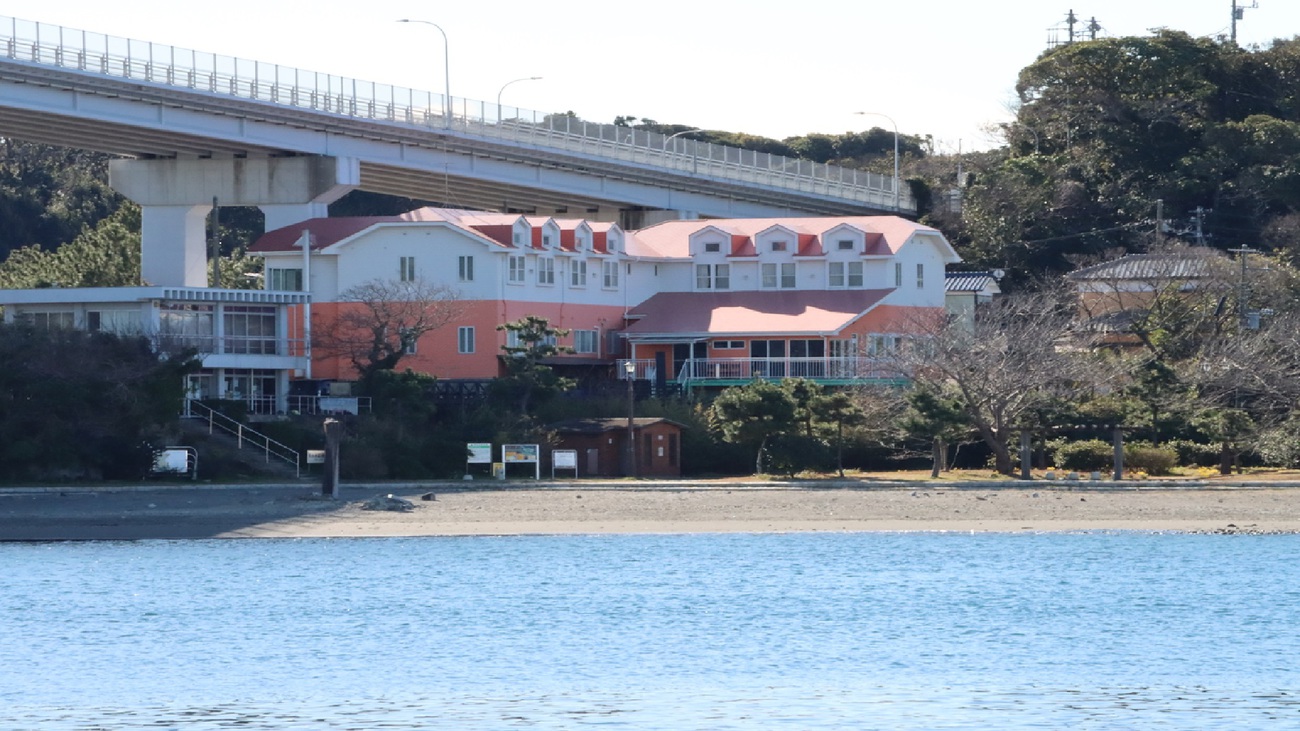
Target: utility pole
(1093, 28)
(1238, 11)
(1070, 20)
(1200, 221)
(216, 244)
(1160, 220)
(1243, 253)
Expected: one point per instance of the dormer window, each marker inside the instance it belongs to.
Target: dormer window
(712, 247)
(844, 245)
(778, 245)
(546, 241)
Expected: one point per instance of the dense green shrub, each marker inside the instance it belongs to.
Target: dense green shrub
(1194, 454)
(1087, 455)
(1148, 458)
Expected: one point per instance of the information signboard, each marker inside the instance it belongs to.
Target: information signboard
(516, 453)
(564, 459)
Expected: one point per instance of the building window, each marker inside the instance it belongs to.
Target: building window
(407, 268)
(584, 341)
(410, 343)
(513, 341)
(578, 273)
(546, 241)
(466, 268)
(898, 274)
(845, 244)
(729, 345)
(920, 276)
(546, 271)
(883, 346)
(610, 270)
(712, 247)
(188, 326)
(465, 340)
(249, 329)
(713, 276)
(518, 239)
(516, 275)
(778, 245)
(50, 320)
(122, 322)
(781, 275)
(846, 274)
(286, 280)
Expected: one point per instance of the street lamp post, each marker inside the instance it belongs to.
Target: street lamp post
(503, 88)
(695, 156)
(895, 124)
(629, 370)
(446, 68)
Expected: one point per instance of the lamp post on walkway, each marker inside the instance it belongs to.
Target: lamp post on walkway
(503, 88)
(629, 370)
(446, 68)
(895, 125)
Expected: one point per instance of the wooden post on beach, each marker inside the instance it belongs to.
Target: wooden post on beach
(1117, 438)
(1026, 454)
(329, 486)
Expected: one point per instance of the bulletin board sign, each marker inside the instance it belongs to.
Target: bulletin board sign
(564, 459)
(522, 453)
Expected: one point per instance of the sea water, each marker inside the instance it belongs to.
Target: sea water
(798, 631)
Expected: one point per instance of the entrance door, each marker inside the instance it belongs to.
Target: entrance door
(593, 462)
(768, 358)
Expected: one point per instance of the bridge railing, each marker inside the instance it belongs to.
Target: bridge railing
(97, 53)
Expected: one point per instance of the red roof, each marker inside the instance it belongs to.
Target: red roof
(328, 231)
(752, 313)
(884, 234)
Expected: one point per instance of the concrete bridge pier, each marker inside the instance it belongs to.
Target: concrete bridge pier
(175, 197)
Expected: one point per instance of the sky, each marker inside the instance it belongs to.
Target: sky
(945, 68)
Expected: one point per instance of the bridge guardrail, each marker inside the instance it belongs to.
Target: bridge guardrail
(97, 53)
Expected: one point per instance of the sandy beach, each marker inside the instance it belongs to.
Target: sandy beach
(298, 511)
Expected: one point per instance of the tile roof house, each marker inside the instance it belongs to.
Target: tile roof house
(1115, 294)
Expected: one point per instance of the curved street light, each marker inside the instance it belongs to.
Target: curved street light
(446, 68)
(503, 88)
(674, 135)
(895, 124)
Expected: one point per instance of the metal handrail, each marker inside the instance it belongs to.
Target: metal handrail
(244, 433)
(210, 73)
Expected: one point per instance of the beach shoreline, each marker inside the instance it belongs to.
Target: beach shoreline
(450, 509)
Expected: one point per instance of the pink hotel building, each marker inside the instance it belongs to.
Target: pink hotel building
(698, 303)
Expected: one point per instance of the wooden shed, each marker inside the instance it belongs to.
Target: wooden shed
(601, 444)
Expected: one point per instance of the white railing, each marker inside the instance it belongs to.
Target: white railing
(96, 53)
(244, 434)
(313, 405)
(747, 369)
(231, 344)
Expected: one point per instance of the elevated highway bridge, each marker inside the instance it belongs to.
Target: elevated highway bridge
(191, 126)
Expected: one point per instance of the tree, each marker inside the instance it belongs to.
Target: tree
(528, 379)
(1003, 367)
(935, 414)
(838, 410)
(753, 414)
(83, 404)
(379, 322)
(107, 255)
